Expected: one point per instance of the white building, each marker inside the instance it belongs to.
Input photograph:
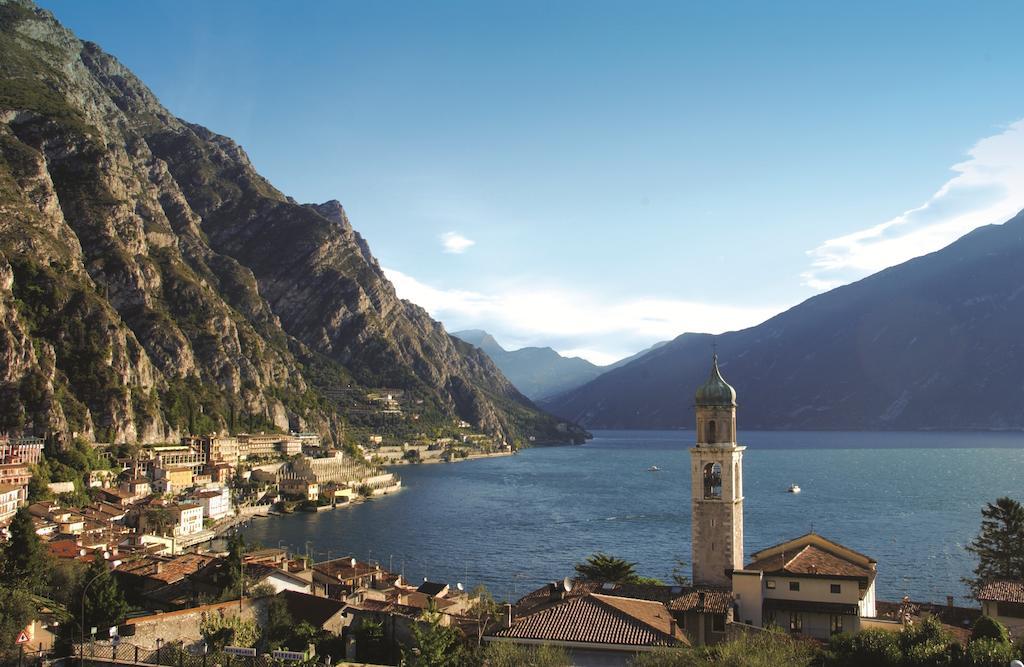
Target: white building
(10, 500)
(216, 503)
(807, 586)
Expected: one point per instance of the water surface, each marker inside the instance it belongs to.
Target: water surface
(909, 500)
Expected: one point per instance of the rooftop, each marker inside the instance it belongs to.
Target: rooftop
(1002, 591)
(599, 619)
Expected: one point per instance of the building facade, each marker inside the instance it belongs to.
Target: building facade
(716, 463)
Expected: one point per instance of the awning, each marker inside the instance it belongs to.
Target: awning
(811, 606)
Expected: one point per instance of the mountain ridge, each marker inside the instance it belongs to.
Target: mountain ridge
(154, 284)
(927, 344)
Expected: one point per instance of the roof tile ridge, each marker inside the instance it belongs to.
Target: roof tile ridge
(795, 556)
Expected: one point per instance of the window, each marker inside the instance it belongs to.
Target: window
(718, 623)
(713, 481)
(1010, 609)
(796, 621)
(711, 431)
(794, 585)
(835, 624)
(837, 588)
(769, 584)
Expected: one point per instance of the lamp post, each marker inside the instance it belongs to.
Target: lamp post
(81, 648)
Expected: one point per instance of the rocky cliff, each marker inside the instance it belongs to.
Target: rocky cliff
(152, 283)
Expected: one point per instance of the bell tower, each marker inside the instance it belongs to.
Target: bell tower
(717, 484)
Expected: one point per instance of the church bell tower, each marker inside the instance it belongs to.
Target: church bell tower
(717, 484)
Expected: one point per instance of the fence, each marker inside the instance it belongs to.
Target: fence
(167, 655)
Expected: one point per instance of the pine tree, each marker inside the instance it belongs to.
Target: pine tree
(26, 562)
(1000, 544)
(105, 605)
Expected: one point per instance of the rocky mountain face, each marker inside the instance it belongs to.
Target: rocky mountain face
(933, 343)
(152, 283)
(538, 372)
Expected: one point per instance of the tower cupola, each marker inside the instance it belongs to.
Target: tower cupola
(716, 391)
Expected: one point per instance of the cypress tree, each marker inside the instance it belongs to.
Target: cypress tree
(26, 561)
(105, 605)
(1000, 544)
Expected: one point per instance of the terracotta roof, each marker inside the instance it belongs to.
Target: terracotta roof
(7, 488)
(810, 560)
(1002, 591)
(599, 619)
(167, 570)
(702, 599)
(341, 568)
(387, 607)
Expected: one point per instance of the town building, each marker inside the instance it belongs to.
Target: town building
(172, 479)
(26, 449)
(290, 446)
(220, 448)
(11, 498)
(593, 624)
(808, 586)
(216, 503)
(1004, 601)
(258, 445)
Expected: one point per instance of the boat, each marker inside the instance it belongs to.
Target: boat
(793, 488)
(654, 469)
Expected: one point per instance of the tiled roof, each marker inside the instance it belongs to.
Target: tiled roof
(599, 619)
(1002, 591)
(810, 560)
(702, 599)
(167, 570)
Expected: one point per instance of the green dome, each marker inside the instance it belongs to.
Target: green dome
(716, 391)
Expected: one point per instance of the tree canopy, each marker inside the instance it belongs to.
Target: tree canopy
(602, 567)
(999, 545)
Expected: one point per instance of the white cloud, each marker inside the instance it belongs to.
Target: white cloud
(456, 243)
(988, 188)
(574, 323)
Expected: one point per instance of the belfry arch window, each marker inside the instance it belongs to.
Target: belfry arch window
(711, 431)
(713, 481)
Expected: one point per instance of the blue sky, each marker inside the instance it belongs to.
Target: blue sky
(599, 176)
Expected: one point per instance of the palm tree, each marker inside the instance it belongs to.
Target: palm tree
(602, 567)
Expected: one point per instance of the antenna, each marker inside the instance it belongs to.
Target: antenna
(567, 584)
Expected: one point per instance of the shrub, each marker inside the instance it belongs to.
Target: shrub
(988, 652)
(987, 627)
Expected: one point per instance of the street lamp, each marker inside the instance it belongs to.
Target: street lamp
(81, 648)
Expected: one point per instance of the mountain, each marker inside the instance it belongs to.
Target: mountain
(152, 283)
(535, 371)
(933, 343)
(633, 357)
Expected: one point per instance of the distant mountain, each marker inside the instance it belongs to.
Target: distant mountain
(633, 357)
(934, 343)
(535, 371)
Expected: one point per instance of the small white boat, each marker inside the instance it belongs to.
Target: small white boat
(793, 488)
(654, 469)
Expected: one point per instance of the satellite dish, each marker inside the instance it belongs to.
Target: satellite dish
(460, 586)
(567, 584)
(352, 562)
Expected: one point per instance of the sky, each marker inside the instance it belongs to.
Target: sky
(599, 176)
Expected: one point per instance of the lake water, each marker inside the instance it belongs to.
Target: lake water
(909, 500)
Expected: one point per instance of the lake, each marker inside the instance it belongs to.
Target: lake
(909, 500)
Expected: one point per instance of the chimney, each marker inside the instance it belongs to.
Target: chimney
(949, 601)
(508, 620)
(159, 567)
(672, 625)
